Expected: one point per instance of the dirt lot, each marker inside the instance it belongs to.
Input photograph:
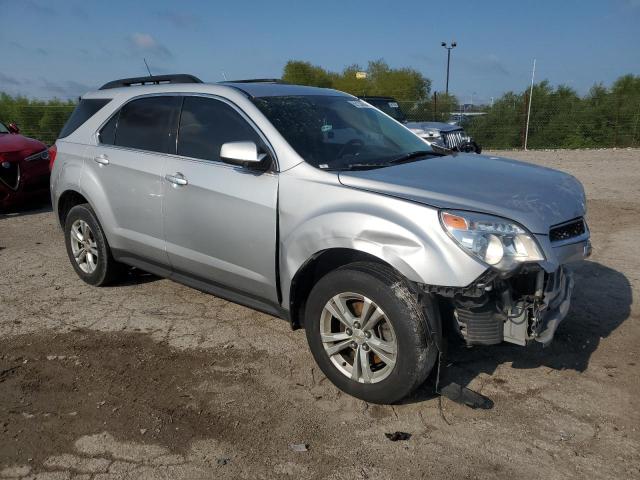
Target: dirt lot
(151, 379)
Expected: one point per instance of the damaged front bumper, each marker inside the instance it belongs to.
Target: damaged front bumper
(521, 307)
(558, 298)
(538, 318)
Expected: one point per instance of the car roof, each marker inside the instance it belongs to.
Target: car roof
(276, 89)
(250, 89)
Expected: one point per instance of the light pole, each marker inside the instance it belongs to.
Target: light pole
(449, 48)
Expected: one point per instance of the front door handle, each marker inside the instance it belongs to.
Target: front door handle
(177, 179)
(101, 159)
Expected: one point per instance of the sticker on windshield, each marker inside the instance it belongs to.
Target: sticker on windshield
(323, 165)
(393, 104)
(326, 128)
(359, 104)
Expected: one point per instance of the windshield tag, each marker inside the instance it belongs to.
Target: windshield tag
(393, 104)
(326, 128)
(323, 165)
(359, 104)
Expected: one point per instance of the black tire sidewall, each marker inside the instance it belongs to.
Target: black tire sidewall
(416, 352)
(100, 275)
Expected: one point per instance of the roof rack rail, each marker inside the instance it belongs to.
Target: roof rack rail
(255, 80)
(151, 80)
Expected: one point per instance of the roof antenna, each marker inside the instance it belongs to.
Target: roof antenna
(147, 65)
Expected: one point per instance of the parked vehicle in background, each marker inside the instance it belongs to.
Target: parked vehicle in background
(314, 206)
(24, 168)
(446, 135)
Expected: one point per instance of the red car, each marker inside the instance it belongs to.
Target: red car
(24, 168)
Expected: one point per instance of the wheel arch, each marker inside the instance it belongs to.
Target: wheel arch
(318, 265)
(68, 199)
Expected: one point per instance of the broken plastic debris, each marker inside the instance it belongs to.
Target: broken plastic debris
(398, 436)
(299, 447)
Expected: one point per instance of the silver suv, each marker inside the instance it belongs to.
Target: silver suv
(312, 205)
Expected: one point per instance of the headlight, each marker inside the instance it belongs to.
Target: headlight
(496, 241)
(43, 155)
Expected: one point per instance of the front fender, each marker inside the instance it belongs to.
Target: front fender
(355, 231)
(406, 235)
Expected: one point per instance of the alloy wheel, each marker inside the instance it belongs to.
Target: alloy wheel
(358, 338)
(83, 246)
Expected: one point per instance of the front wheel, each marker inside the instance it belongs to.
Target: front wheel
(368, 332)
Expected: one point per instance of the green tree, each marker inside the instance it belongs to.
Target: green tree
(303, 73)
(404, 84)
(38, 119)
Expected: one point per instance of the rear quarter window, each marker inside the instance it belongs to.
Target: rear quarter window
(84, 111)
(107, 134)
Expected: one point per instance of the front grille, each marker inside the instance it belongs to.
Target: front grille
(10, 174)
(568, 230)
(453, 139)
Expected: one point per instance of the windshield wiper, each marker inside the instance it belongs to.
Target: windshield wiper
(360, 166)
(413, 155)
(442, 151)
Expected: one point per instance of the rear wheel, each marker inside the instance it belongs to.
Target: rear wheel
(88, 249)
(367, 330)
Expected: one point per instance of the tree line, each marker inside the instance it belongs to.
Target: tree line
(41, 119)
(560, 118)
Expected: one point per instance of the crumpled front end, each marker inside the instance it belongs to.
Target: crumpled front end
(525, 305)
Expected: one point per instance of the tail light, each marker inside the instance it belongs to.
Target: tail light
(53, 150)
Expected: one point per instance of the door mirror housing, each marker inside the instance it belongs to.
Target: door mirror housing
(13, 128)
(244, 153)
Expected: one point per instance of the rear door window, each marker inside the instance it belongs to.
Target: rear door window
(149, 123)
(206, 124)
(84, 111)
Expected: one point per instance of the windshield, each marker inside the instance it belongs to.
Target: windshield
(388, 106)
(3, 129)
(339, 132)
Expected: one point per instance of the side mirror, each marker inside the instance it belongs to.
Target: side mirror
(13, 128)
(243, 153)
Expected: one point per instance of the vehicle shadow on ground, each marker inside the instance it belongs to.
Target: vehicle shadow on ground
(32, 208)
(601, 302)
(135, 276)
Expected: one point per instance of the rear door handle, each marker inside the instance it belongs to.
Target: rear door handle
(177, 179)
(101, 159)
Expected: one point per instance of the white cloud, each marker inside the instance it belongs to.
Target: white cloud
(145, 43)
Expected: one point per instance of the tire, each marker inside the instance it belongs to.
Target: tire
(470, 147)
(104, 270)
(403, 324)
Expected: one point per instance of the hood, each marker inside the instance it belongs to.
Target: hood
(25, 146)
(536, 197)
(440, 126)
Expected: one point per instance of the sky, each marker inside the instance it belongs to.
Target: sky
(64, 48)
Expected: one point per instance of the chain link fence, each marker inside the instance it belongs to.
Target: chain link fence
(42, 122)
(612, 122)
(582, 125)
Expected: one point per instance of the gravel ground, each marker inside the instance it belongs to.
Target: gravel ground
(151, 379)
